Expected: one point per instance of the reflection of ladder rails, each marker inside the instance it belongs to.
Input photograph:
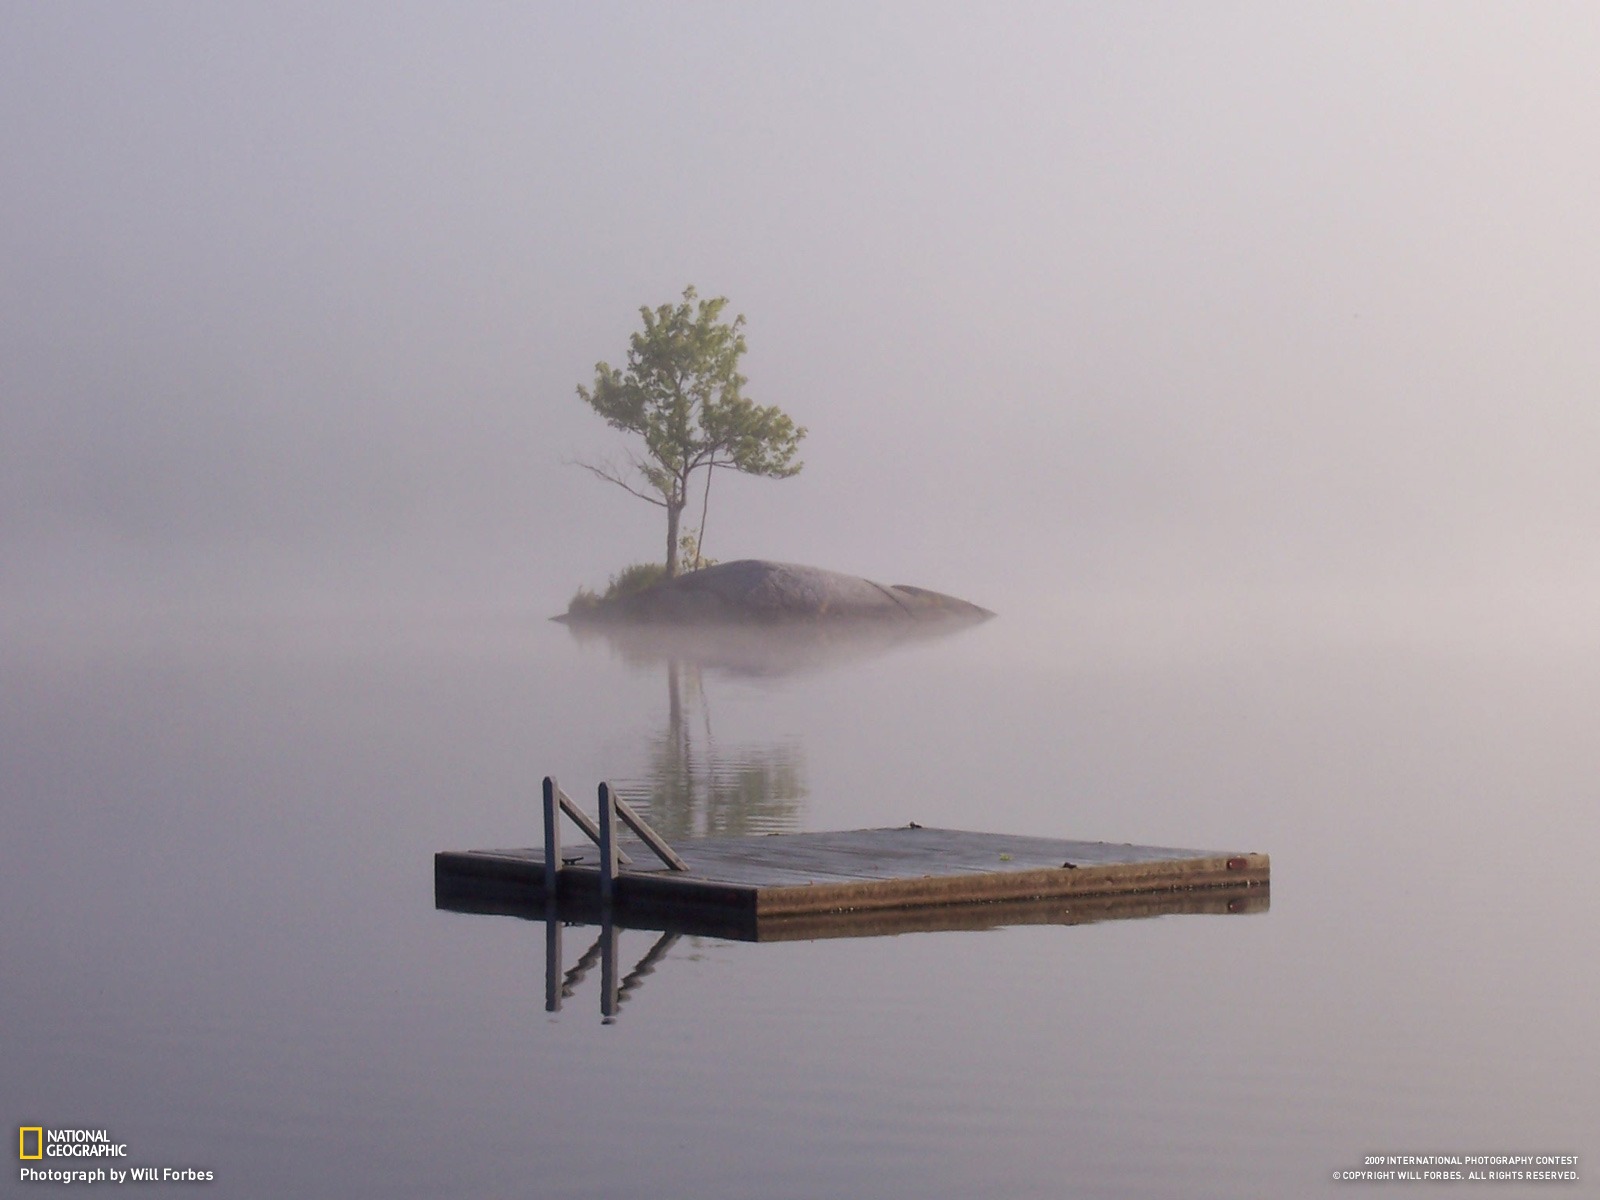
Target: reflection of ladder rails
(560, 984)
(604, 835)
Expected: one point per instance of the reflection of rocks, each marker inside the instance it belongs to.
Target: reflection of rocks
(758, 650)
(758, 591)
(700, 790)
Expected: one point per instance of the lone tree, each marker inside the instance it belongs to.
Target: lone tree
(681, 392)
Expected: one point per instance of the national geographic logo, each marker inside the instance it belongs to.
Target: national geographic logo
(35, 1142)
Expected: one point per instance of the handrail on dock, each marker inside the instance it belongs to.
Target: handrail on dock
(603, 835)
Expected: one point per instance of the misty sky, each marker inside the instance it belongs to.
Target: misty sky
(1162, 298)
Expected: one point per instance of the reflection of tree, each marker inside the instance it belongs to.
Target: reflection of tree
(694, 788)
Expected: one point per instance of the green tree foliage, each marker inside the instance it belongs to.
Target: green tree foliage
(681, 392)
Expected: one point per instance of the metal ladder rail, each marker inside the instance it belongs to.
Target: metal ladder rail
(613, 806)
(557, 802)
(603, 835)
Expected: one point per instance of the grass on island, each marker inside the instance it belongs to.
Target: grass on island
(624, 583)
(640, 576)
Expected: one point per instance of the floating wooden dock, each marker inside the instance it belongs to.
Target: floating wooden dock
(741, 884)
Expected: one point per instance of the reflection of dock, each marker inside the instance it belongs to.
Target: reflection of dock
(754, 887)
(454, 893)
(561, 982)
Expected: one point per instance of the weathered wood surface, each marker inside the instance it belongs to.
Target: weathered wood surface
(790, 875)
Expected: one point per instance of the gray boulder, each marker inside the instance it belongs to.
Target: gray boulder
(757, 590)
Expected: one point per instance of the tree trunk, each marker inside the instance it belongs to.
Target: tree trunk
(705, 503)
(674, 510)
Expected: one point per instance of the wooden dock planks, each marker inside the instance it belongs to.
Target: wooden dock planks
(785, 876)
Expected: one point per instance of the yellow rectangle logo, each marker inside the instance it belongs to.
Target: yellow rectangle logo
(38, 1141)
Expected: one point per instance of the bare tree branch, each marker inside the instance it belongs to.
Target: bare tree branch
(611, 475)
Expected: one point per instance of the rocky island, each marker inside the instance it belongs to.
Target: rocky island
(758, 591)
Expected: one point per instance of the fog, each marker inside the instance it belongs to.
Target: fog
(1222, 315)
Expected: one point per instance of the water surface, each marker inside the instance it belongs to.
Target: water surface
(221, 941)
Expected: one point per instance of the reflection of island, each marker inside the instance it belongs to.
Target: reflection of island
(693, 787)
(754, 651)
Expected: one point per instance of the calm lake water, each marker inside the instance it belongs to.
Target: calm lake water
(221, 944)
